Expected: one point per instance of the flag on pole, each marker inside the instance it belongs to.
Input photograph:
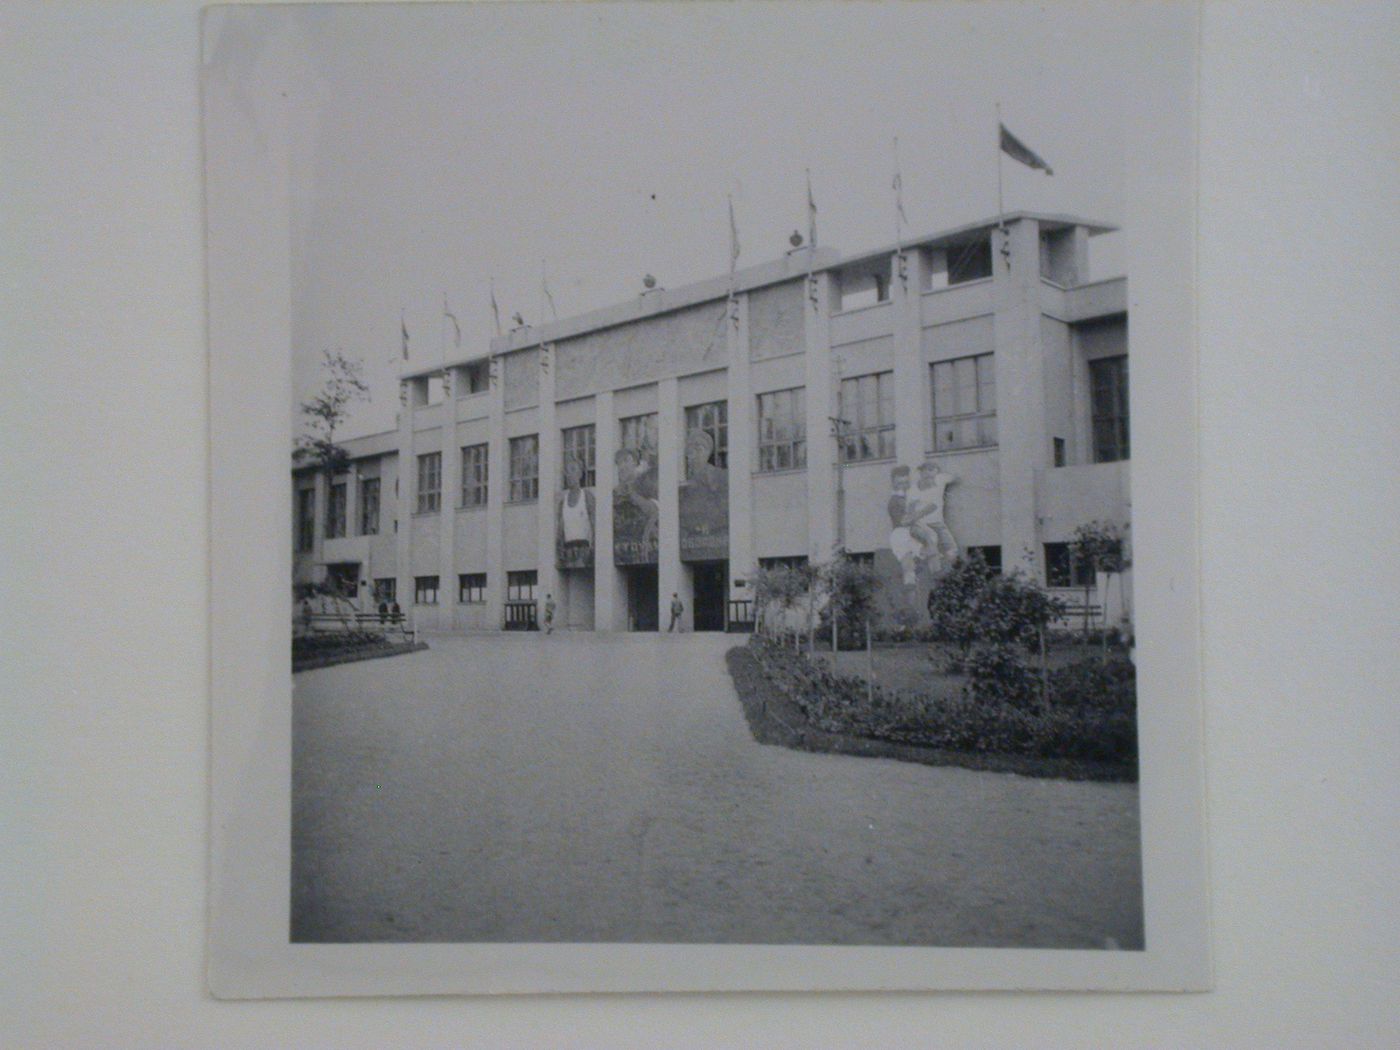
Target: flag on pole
(733, 242)
(900, 219)
(403, 329)
(1019, 151)
(456, 328)
(811, 214)
(495, 310)
(544, 287)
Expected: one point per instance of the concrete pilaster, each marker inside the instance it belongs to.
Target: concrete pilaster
(670, 437)
(497, 484)
(447, 516)
(550, 465)
(821, 407)
(1020, 380)
(742, 431)
(609, 596)
(912, 426)
(403, 503)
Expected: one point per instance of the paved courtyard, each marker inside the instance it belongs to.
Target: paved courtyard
(597, 788)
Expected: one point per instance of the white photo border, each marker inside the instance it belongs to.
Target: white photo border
(249, 325)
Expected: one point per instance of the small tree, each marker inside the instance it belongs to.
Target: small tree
(776, 589)
(323, 414)
(852, 588)
(1100, 546)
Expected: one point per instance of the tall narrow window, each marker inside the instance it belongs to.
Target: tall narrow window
(369, 506)
(713, 419)
(335, 511)
(639, 434)
(579, 444)
(964, 403)
(867, 414)
(306, 519)
(429, 482)
(476, 467)
(1108, 383)
(524, 468)
(782, 430)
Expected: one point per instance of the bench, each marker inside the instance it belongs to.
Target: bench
(1076, 612)
(324, 622)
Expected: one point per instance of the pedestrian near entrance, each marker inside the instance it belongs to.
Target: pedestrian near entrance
(676, 609)
(549, 614)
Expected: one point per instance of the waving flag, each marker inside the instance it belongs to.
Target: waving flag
(403, 328)
(1019, 151)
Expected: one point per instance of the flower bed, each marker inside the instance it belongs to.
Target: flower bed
(1088, 729)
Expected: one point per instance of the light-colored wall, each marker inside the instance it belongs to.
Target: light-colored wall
(1074, 496)
(687, 340)
(779, 514)
(1059, 364)
(775, 320)
(521, 371)
(425, 544)
(521, 536)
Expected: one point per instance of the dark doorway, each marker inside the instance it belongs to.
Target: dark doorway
(643, 587)
(708, 582)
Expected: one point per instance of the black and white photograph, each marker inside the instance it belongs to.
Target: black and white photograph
(703, 498)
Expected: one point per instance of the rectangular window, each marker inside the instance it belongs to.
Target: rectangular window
(1063, 569)
(1059, 447)
(335, 511)
(476, 378)
(429, 482)
(425, 590)
(782, 429)
(991, 557)
(712, 419)
(795, 561)
(1108, 385)
(386, 590)
(639, 434)
(369, 506)
(306, 519)
(867, 414)
(520, 586)
(476, 462)
(970, 262)
(964, 403)
(524, 468)
(579, 443)
(471, 588)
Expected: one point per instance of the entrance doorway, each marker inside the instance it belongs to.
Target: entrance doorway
(643, 587)
(709, 582)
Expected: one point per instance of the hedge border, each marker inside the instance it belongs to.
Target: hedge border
(350, 656)
(774, 719)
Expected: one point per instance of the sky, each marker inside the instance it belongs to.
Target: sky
(440, 147)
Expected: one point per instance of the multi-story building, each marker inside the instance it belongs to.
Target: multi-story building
(671, 444)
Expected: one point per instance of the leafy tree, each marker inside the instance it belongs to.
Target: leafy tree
(776, 591)
(1101, 546)
(952, 604)
(323, 414)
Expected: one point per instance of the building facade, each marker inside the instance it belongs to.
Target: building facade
(672, 444)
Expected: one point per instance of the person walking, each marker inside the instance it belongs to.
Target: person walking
(549, 614)
(676, 609)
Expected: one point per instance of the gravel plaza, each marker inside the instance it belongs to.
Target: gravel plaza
(605, 788)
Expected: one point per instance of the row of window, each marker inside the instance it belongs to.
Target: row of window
(1062, 569)
(964, 417)
(471, 587)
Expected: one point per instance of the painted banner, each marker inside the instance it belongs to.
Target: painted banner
(921, 546)
(574, 520)
(704, 502)
(635, 508)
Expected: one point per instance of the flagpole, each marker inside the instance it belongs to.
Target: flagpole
(1001, 207)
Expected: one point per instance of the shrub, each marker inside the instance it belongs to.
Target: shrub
(952, 603)
(996, 674)
(1091, 683)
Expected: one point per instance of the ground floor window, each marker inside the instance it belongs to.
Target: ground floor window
(386, 591)
(1063, 569)
(425, 590)
(520, 586)
(471, 588)
(991, 556)
(795, 561)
